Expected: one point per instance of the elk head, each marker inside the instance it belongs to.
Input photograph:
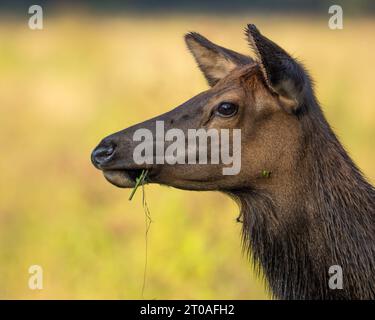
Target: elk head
(263, 98)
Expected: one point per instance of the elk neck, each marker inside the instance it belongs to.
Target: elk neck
(319, 213)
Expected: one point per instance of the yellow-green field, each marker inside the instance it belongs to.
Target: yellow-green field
(66, 87)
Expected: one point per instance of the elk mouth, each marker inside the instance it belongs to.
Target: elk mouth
(123, 178)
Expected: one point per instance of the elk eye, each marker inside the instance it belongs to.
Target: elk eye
(226, 109)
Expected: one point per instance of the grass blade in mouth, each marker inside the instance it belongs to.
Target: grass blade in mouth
(138, 181)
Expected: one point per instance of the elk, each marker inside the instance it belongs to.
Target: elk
(312, 210)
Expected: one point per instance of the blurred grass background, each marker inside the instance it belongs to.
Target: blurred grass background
(64, 88)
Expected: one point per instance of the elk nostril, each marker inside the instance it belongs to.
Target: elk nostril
(109, 150)
(102, 154)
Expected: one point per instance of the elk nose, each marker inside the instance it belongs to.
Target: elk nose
(102, 154)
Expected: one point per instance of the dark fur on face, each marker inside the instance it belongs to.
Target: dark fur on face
(305, 206)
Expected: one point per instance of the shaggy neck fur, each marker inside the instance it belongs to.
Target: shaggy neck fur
(328, 219)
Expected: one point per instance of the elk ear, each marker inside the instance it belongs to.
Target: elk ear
(281, 72)
(214, 61)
